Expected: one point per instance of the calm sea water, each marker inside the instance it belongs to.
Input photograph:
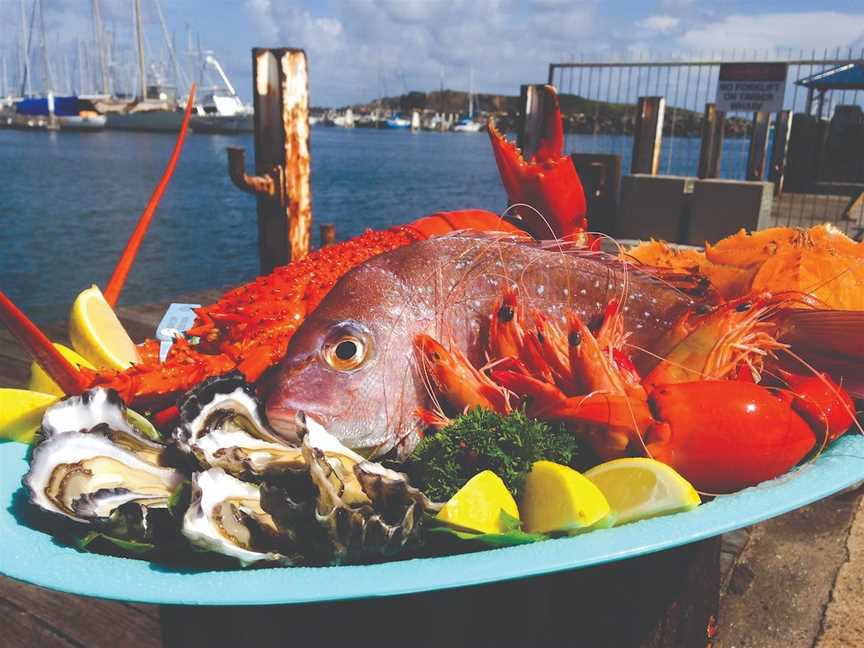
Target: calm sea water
(69, 201)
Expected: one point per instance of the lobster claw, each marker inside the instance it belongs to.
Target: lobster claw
(548, 181)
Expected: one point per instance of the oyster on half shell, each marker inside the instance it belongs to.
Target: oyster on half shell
(223, 425)
(91, 462)
(225, 516)
(86, 476)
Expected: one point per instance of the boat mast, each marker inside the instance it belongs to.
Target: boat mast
(26, 89)
(98, 33)
(471, 94)
(139, 37)
(79, 48)
(46, 64)
(170, 45)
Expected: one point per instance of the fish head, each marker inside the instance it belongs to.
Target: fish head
(350, 367)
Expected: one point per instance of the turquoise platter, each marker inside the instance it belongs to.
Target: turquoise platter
(34, 557)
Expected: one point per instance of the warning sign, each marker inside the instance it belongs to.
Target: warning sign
(751, 87)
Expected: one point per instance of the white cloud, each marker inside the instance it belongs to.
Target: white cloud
(660, 23)
(768, 31)
(397, 45)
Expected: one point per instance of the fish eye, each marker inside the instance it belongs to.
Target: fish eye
(347, 348)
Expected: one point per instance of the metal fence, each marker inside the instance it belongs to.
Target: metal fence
(687, 85)
(599, 101)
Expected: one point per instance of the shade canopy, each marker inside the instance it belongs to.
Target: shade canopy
(849, 76)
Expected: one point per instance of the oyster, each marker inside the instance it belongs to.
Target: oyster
(225, 516)
(341, 510)
(87, 477)
(102, 411)
(223, 425)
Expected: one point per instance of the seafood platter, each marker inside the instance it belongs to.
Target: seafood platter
(466, 398)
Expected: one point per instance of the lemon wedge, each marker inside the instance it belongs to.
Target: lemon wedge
(98, 335)
(21, 413)
(557, 498)
(41, 381)
(638, 488)
(478, 504)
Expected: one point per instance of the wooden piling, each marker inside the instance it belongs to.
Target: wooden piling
(711, 149)
(758, 146)
(327, 233)
(780, 149)
(648, 135)
(282, 160)
(537, 103)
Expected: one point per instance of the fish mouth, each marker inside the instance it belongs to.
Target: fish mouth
(290, 424)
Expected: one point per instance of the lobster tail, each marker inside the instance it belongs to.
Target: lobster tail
(546, 188)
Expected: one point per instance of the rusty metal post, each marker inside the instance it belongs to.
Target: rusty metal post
(282, 160)
(328, 234)
(537, 103)
(648, 135)
(780, 149)
(712, 142)
(758, 146)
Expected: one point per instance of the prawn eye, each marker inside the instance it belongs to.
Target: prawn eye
(347, 349)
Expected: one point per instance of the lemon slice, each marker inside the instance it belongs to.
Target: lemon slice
(98, 335)
(21, 413)
(556, 498)
(478, 504)
(41, 381)
(639, 488)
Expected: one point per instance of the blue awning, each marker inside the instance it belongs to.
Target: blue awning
(843, 77)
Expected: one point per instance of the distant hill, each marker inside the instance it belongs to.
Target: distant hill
(581, 115)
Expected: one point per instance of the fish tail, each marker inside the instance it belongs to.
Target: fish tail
(830, 340)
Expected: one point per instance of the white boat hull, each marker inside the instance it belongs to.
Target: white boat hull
(94, 122)
(226, 124)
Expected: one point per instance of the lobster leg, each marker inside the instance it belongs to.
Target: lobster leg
(61, 371)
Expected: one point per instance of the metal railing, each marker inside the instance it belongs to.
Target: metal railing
(599, 102)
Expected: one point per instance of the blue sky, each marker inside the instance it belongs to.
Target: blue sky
(360, 48)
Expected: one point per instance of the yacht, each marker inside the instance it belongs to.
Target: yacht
(467, 124)
(398, 121)
(221, 110)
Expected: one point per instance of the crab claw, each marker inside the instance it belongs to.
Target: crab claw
(547, 182)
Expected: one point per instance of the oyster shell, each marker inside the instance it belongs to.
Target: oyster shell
(223, 425)
(100, 411)
(225, 516)
(341, 510)
(87, 477)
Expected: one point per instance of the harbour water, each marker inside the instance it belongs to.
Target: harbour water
(69, 201)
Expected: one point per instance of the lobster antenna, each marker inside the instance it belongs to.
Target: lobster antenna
(61, 371)
(124, 265)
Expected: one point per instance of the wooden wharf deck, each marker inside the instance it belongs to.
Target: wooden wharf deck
(783, 583)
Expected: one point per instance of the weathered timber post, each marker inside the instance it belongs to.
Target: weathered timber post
(712, 142)
(758, 146)
(327, 233)
(648, 135)
(780, 149)
(282, 160)
(536, 107)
